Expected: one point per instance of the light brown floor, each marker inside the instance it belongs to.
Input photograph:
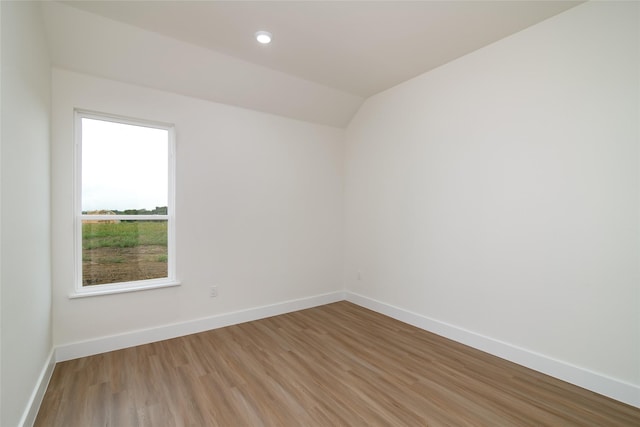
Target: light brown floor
(335, 365)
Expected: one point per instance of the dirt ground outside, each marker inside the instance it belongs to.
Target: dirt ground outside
(112, 265)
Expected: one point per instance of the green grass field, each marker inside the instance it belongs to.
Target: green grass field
(124, 234)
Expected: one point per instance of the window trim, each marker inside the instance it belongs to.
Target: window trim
(79, 290)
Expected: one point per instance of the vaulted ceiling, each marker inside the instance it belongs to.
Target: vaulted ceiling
(325, 59)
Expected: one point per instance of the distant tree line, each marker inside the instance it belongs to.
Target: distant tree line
(159, 210)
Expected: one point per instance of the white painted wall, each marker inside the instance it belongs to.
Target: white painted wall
(500, 193)
(259, 209)
(25, 219)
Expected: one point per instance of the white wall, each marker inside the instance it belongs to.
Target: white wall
(25, 226)
(259, 209)
(500, 193)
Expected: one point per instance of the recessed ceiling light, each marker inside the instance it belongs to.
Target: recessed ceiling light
(263, 37)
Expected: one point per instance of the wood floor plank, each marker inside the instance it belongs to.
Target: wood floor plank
(335, 365)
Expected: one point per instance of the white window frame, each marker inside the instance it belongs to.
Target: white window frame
(137, 285)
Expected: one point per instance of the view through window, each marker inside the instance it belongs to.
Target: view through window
(125, 196)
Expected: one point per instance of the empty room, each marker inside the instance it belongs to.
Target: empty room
(320, 213)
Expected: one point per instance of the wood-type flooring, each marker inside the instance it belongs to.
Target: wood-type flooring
(334, 365)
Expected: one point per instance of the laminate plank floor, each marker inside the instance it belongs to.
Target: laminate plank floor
(334, 365)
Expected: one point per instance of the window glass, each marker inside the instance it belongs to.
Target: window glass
(124, 167)
(125, 221)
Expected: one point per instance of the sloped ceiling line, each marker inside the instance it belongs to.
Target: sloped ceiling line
(326, 57)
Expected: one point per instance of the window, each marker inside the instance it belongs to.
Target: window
(124, 204)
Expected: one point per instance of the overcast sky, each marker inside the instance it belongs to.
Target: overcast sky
(123, 166)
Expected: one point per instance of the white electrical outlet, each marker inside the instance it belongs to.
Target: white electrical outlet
(213, 291)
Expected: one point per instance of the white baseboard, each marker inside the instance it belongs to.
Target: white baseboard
(35, 400)
(145, 336)
(598, 383)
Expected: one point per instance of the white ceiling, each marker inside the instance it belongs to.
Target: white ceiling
(360, 47)
(325, 59)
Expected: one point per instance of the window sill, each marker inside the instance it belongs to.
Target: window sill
(121, 288)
